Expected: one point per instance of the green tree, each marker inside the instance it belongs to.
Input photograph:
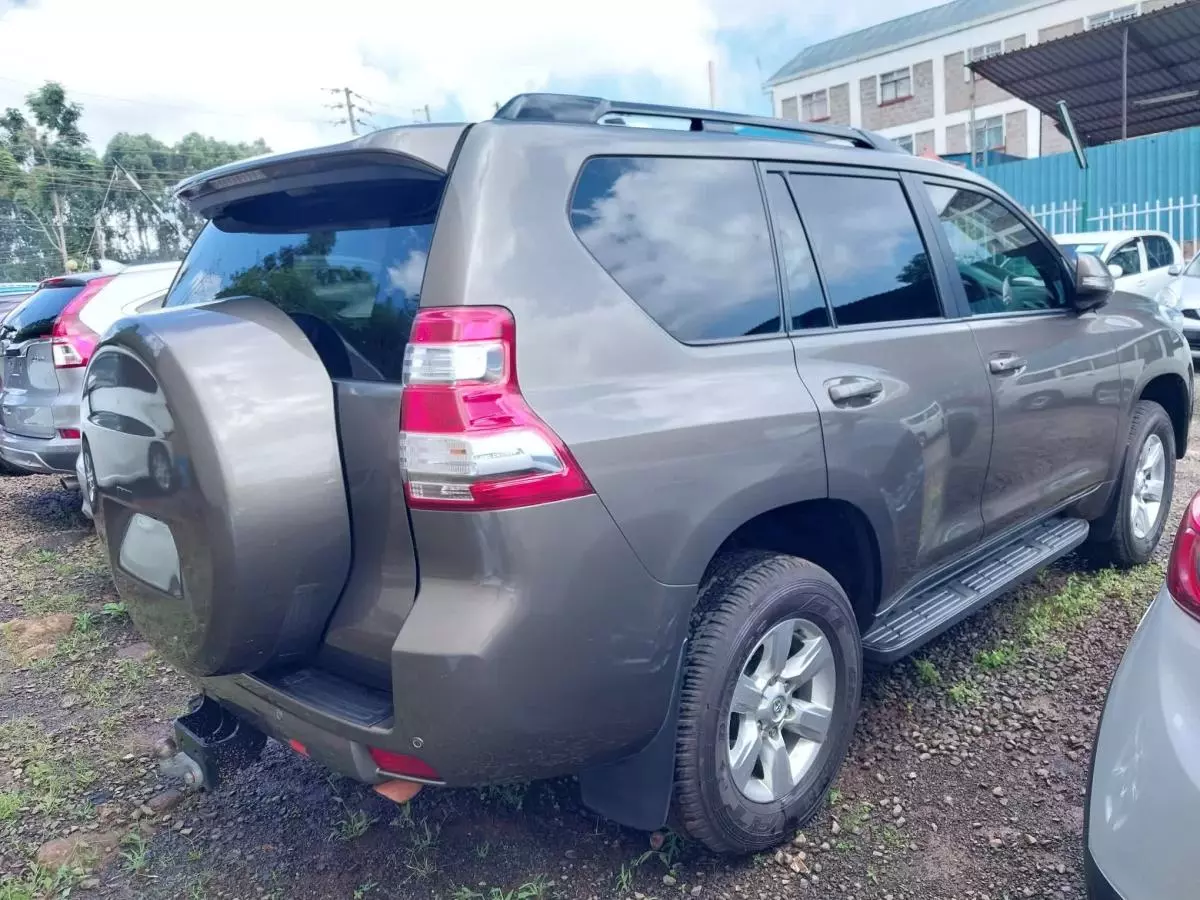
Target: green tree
(51, 175)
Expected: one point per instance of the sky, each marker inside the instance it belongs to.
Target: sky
(243, 69)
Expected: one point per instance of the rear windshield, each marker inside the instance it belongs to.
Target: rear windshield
(35, 317)
(345, 261)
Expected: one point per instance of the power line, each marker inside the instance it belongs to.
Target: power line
(353, 116)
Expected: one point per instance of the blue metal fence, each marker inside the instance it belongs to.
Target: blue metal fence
(1150, 182)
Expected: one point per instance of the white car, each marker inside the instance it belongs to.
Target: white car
(1140, 261)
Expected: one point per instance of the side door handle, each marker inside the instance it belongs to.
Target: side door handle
(853, 390)
(1006, 364)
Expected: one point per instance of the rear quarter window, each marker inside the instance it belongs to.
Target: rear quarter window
(345, 261)
(687, 239)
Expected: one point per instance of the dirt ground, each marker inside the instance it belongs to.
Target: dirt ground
(965, 778)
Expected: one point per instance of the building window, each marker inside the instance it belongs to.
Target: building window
(815, 106)
(904, 143)
(788, 108)
(895, 85)
(1120, 14)
(981, 52)
(989, 134)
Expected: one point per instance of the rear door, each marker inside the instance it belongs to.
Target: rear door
(904, 401)
(1051, 369)
(1161, 254)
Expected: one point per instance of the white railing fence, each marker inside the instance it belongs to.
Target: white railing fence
(1177, 216)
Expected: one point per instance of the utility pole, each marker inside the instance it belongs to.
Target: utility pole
(354, 116)
(59, 231)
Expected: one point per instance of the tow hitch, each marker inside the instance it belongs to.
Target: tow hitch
(208, 741)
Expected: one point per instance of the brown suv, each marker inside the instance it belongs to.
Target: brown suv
(548, 446)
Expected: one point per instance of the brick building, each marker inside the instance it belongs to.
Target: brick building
(907, 78)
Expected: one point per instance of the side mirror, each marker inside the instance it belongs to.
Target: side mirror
(1093, 282)
(1115, 271)
(1175, 269)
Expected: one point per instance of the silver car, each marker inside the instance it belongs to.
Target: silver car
(1182, 294)
(47, 343)
(1143, 806)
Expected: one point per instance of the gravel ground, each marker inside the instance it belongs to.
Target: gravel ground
(965, 778)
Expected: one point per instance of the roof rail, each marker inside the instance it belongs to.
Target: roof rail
(592, 110)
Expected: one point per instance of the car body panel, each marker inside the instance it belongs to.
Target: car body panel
(1144, 802)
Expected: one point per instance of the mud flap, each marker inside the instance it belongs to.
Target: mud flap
(636, 791)
(216, 740)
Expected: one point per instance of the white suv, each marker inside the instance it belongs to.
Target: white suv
(1140, 261)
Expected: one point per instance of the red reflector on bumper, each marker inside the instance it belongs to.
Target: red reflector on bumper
(298, 747)
(399, 764)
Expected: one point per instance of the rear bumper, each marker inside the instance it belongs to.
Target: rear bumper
(1143, 805)
(43, 456)
(538, 646)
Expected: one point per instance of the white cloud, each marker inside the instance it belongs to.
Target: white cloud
(241, 69)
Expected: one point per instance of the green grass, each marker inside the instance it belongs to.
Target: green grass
(927, 672)
(1083, 595)
(10, 805)
(510, 796)
(855, 816)
(998, 657)
(835, 796)
(965, 693)
(45, 604)
(37, 883)
(135, 850)
(353, 825)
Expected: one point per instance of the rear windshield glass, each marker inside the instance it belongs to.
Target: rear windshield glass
(345, 261)
(35, 317)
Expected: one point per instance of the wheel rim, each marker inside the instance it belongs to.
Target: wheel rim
(781, 710)
(89, 476)
(1149, 481)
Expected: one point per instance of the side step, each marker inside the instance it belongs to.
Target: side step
(922, 617)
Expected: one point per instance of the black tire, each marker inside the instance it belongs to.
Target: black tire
(747, 594)
(1116, 543)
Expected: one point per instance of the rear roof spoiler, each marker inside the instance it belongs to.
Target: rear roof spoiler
(580, 110)
(425, 148)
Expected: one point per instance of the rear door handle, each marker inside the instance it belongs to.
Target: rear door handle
(1006, 364)
(844, 391)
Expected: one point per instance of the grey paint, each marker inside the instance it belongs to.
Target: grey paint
(1144, 805)
(257, 510)
(683, 444)
(37, 400)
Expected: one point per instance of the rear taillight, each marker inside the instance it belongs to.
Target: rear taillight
(71, 341)
(1183, 571)
(468, 439)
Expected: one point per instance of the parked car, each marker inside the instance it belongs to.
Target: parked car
(1182, 295)
(1140, 261)
(1144, 787)
(46, 345)
(465, 489)
(11, 295)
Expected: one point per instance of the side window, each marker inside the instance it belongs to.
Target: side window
(805, 302)
(1003, 265)
(1159, 254)
(687, 239)
(1127, 258)
(868, 248)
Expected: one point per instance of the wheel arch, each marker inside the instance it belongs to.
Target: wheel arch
(1170, 391)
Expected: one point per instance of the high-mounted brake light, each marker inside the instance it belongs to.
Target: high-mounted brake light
(1183, 571)
(71, 341)
(468, 439)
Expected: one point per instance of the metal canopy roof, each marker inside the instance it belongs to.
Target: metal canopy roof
(1085, 70)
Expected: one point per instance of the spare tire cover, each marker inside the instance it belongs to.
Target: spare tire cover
(211, 459)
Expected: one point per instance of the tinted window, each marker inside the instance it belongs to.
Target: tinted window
(1127, 258)
(1003, 265)
(35, 317)
(685, 238)
(1158, 252)
(346, 263)
(868, 248)
(805, 302)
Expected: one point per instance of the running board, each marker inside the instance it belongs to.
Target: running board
(922, 617)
